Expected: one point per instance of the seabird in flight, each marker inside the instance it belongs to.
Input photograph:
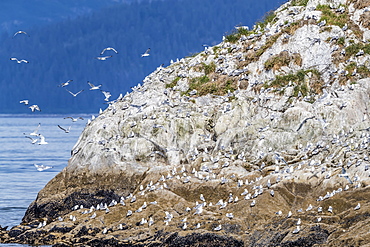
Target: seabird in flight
(41, 168)
(65, 83)
(42, 140)
(25, 102)
(18, 61)
(146, 54)
(19, 32)
(103, 58)
(108, 49)
(107, 95)
(65, 130)
(74, 94)
(34, 108)
(74, 119)
(93, 87)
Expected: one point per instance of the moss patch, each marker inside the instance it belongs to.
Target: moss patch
(282, 59)
(173, 83)
(311, 86)
(299, 2)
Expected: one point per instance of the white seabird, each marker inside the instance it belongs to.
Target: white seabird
(218, 228)
(42, 140)
(146, 54)
(74, 94)
(103, 58)
(65, 130)
(25, 102)
(108, 49)
(107, 95)
(358, 206)
(74, 119)
(41, 168)
(34, 108)
(34, 133)
(19, 61)
(65, 83)
(295, 231)
(93, 87)
(33, 141)
(20, 32)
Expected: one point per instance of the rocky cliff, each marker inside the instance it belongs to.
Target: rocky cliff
(261, 140)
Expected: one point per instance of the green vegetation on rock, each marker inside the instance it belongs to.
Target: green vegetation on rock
(331, 17)
(305, 87)
(299, 2)
(173, 83)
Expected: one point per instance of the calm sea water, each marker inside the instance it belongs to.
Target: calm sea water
(19, 180)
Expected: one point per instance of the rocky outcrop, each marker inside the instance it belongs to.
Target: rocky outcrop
(261, 140)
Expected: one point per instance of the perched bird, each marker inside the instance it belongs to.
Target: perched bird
(65, 130)
(299, 221)
(202, 197)
(146, 54)
(34, 108)
(74, 94)
(108, 49)
(330, 209)
(309, 208)
(151, 221)
(218, 228)
(229, 215)
(41, 168)
(272, 193)
(295, 231)
(65, 83)
(92, 87)
(25, 102)
(103, 58)
(289, 214)
(358, 206)
(19, 61)
(20, 32)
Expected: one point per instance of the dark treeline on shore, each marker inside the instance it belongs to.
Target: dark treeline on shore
(67, 50)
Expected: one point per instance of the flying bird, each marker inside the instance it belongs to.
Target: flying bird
(20, 32)
(107, 95)
(25, 102)
(65, 83)
(41, 168)
(65, 130)
(93, 87)
(103, 58)
(34, 133)
(146, 54)
(75, 94)
(33, 141)
(19, 61)
(42, 140)
(34, 108)
(74, 119)
(108, 49)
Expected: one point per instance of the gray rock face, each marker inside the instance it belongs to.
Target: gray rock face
(283, 108)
